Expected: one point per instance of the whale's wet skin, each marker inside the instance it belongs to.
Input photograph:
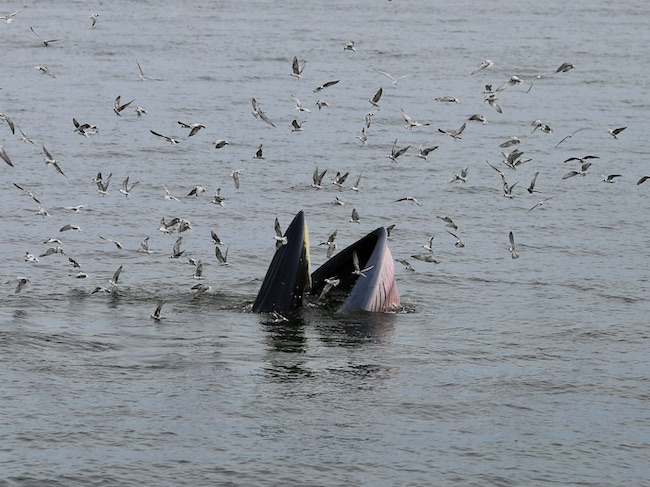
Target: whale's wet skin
(492, 370)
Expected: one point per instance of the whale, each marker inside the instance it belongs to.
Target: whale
(288, 282)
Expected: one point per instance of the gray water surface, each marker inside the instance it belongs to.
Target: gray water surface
(495, 371)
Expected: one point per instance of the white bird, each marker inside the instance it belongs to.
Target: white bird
(218, 144)
(610, 178)
(462, 177)
(299, 106)
(198, 272)
(539, 203)
(449, 222)
(331, 244)
(358, 271)
(200, 288)
(407, 265)
(217, 199)
(171, 140)
(197, 190)
(393, 79)
(484, 65)
(355, 186)
(512, 249)
(410, 123)
(512, 81)
(156, 315)
(330, 283)
(363, 137)
(454, 134)
(169, 196)
(139, 111)
(514, 140)
(144, 246)
(93, 19)
(395, 153)
(30, 257)
(69, 226)
(409, 198)
(280, 240)
(126, 189)
(193, 127)
(325, 85)
(297, 67)
(222, 257)
(447, 99)
(50, 161)
(424, 152)
(46, 42)
(339, 179)
(259, 113)
(259, 154)
(458, 243)
(118, 106)
(317, 178)
(176, 249)
(478, 118)
(355, 216)
(117, 244)
(235, 177)
(9, 18)
(491, 99)
(45, 70)
(142, 76)
(321, 104)
(374, 101)
(349, 46)
(614, 132)
(21, 282)
(296, 126)
(115, 278)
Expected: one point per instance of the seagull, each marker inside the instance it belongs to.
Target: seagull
(374, 101)
(355, 216)
(26, 138)
(338, 201)
(259, 154)
(339, 179)
(169, 196)
(80, 275)
(5, 157)
(358, 271)
(118, 107)
(349, 46)
(41, 68)
(429, 245)
(217, 199)
(296, 126)
(176, 250)
(513, 159)
(117, 244)
(540, 203)
(581, 172)
(458, 243)
(84, 129)
(454, 134)
(462, 177)
(368, 119)
(142, 76)
(222, 258)
(30, 257)
(514, 140)
(102, 185)
(156, 315)
(317, 178)
(610, 178)
(200, 288)
(614, 132)
(126, 189)
(259, 113)
(139, 111)
(194, 127)
(363, 137)
(513, 251)
(581, 159)
(9, 18)
(424, 152)
(218, 144)
(144, 246)
(478, 118)
(9, 122)
(409, 198)
(198, 272)
(392, 78)
(115, 278)
(299, 106)
(426, 258)
(46, 42)
(355, 186)
(642, 180)
(171, 140)
(395, 153)
(512, 81)
(28, 193)
(447, 99)
(50, 161)
(410, 123)
(215, 238)
(197, 190)
(53, 250)
(331, 244)
(507, 189)
(297, 67)
(279, 239)
(21, 282)
(74, 263)
(320, 104)
(235, 177)
(449, 222)
(531, 188)
(325, 85)
(406, 264)
(389, 229)
(70, 226)
(538, 124)
(485, 64)
(330, 283)
(564, 67)
(491, 99)
(569, 136)
(93, 19)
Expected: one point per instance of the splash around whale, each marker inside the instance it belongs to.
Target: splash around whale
(361, 277)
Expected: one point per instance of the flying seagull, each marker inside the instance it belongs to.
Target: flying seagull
(46, 42)
(325, 85)
(297, 67)
(393, 79)
(194, 127)
(259, 113)
(118, 106)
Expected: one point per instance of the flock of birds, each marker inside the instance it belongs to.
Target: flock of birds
(511, 161)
